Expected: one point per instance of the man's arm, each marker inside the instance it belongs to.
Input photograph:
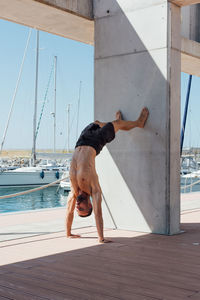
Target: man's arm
(71, 202)
(96, 200)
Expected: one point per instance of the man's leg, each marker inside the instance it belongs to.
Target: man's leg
(120, 124)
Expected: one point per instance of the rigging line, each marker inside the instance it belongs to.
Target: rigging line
(78, 108)
(45, 97)
(196, 125)
(194, 121)
(109, 211)
(16, 88)
(79, 98)
(76, 112)
(60, 79)
(70, 127)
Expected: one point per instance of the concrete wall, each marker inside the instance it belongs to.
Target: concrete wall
(137, 64)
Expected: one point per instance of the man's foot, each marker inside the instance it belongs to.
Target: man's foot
(143, 117)
(118, 115)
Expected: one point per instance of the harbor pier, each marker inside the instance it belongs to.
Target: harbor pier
(141, 47)
(37, 261)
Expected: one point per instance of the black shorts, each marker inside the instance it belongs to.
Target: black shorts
(97, 137)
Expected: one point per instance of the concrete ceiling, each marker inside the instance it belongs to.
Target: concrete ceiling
(49, 18)
(62, 17)
(190, 57)
(82, 8)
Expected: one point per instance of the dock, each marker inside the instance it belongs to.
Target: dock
(39, 262)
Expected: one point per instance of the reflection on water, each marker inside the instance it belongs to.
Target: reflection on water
(47, 198)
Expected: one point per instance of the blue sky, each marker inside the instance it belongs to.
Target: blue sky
(192, 131)
(75, 64)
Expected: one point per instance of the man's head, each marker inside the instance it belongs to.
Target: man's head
(83, 205)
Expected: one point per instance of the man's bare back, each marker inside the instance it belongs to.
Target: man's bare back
(83, 176)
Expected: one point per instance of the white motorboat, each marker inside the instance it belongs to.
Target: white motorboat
(30, 176)
(190, 178)
(188, 164)
(65, 184)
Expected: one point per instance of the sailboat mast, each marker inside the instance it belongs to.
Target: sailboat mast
(35, 106)
(79, 98)
(68, 125)
(54, 115)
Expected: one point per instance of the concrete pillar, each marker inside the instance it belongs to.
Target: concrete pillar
(137, 64)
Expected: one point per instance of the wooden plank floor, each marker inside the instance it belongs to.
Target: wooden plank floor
(135, 266)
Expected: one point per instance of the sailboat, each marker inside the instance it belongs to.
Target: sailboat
(190, 172)
(65, 184)
(41, 174)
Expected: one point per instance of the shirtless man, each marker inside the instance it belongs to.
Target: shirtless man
(83, 176)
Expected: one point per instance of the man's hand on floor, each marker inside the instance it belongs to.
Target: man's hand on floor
(104, 241)
(73, 236)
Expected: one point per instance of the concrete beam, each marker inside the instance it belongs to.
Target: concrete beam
(190, 57)
(82, 8)
(184, 2)
(60, 17)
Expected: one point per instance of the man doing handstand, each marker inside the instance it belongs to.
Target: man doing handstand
(83, 176)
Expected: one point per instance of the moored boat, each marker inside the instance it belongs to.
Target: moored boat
(65, 184)
(28, 176)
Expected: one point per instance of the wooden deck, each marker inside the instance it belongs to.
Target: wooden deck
(135, 266)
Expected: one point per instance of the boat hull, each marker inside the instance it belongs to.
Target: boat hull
(65, 186)
(14, 179)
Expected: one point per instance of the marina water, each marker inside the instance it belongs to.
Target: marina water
(47, 198)
(50, 197)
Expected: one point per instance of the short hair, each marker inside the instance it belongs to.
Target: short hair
(89, 213)
(80, 198)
